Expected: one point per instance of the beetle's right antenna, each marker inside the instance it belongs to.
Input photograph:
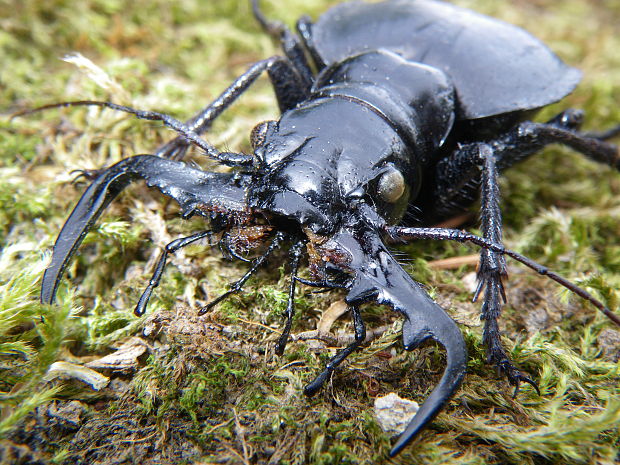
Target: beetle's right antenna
(456, 235)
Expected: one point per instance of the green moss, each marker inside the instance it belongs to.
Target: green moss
(212, 387)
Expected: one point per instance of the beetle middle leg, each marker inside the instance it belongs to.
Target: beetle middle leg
(492, 271)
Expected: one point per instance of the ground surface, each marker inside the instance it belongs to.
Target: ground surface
(188, 389)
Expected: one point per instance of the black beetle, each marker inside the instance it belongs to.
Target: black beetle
(391, 110)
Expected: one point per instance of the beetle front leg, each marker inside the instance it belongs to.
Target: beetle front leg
(238, 285)
(296, 252)
(171, 247)
(360, 336)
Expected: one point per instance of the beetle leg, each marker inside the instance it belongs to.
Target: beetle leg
(89, 175)
(290, 43)
(530, 137)
(604, 135)
(288, 84)
(325, 284)
(296, 251)
(238, 285)
(492, 271)
(360, 335)
(458, 177)
(172, 247)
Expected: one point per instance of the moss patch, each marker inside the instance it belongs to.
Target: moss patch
(210, 389)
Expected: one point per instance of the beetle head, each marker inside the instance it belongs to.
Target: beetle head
(314, 181)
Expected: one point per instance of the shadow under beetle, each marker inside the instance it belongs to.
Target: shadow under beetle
(399, 109)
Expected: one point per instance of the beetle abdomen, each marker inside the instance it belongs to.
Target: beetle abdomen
(496, 67)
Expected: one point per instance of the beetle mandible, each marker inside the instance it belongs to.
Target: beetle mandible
(381, 120)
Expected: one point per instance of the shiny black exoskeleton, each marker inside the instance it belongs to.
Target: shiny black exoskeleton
(392, 110)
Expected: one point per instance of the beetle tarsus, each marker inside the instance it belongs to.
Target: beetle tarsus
(497, 356)
(515, 376)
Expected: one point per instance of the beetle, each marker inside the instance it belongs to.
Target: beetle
(381, 120)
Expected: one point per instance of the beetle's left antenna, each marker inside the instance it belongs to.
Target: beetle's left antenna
(226, 158)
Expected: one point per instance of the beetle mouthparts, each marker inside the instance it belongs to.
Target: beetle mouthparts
(379, 278)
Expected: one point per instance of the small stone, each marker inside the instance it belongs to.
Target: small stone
(470, 281)
(609, 342)
(536, 320)
(394, 413)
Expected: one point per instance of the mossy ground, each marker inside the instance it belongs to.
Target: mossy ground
(211, 390)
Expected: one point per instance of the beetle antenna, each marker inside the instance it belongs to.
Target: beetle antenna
(445, 234)
(227, 158)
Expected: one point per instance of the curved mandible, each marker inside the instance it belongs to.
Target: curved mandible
(190, 187)
(447, 333)
(378, 277)
(424, 319)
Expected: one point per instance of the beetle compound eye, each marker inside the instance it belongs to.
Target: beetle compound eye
(391, 186)
(259, 133)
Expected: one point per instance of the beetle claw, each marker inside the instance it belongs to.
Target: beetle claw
(89, 175)
(516, 377)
